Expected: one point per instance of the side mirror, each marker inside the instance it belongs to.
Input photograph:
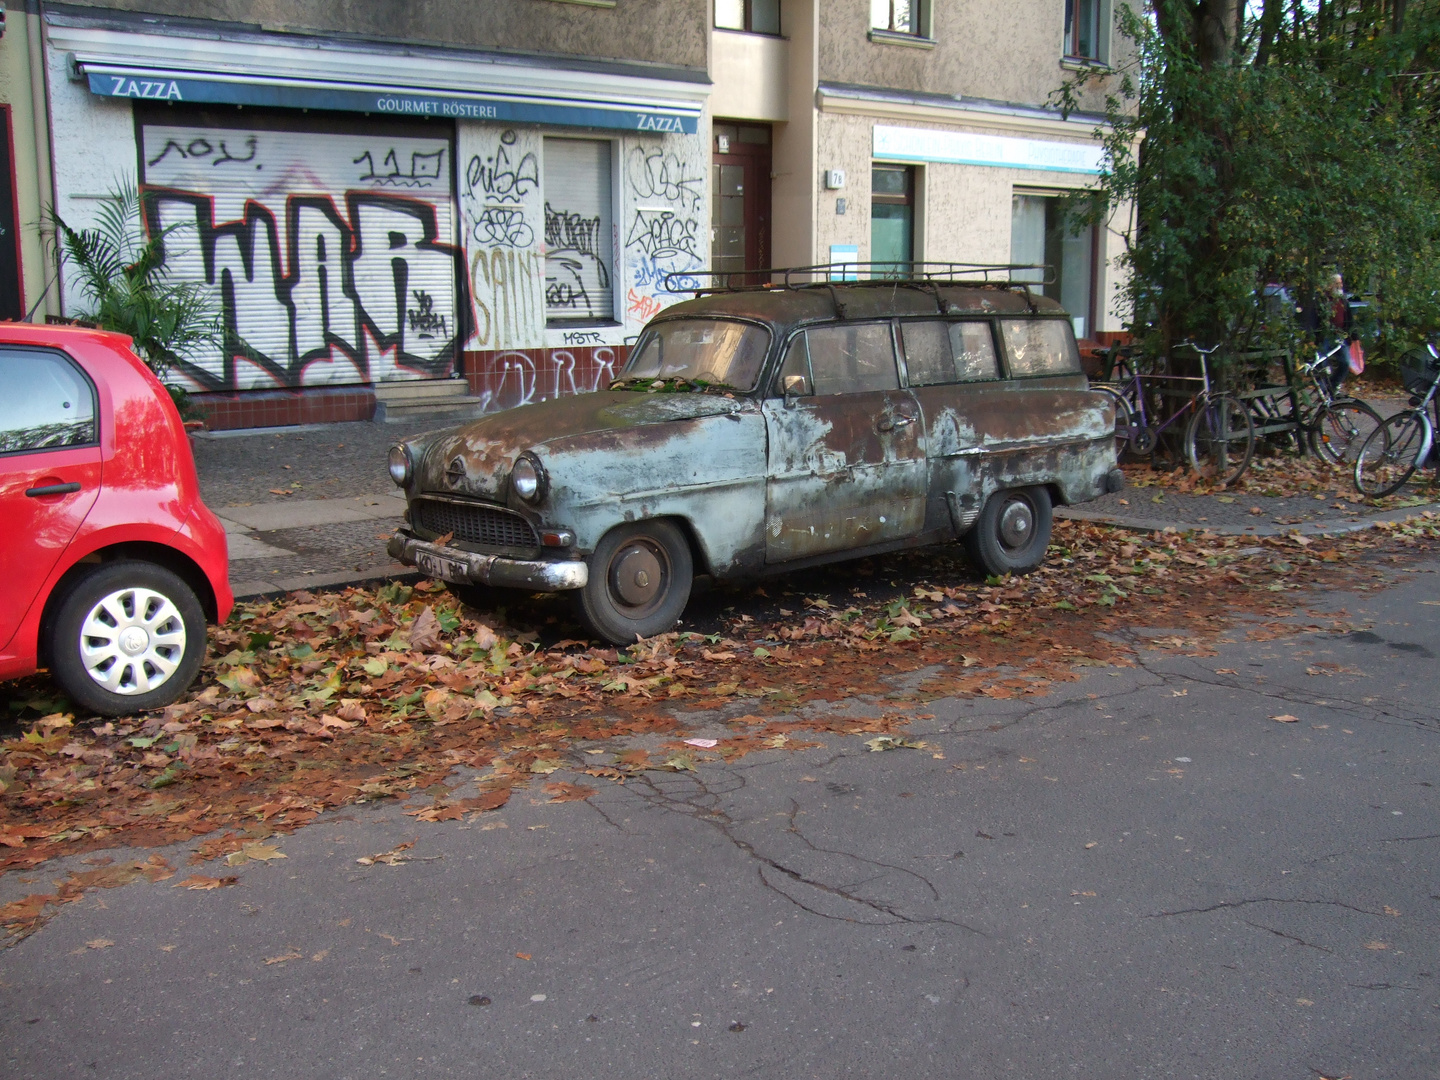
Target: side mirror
(795, 386)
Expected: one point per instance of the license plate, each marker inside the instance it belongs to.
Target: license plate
(438, 566)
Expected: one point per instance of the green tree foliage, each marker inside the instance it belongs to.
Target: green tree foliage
(120, 273)
(1273, 145)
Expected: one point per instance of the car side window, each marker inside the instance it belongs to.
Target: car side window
(852, 358)
(796, 366)
(45, 403)
(1040, 347)
(946, 352)
(974, 348)
(927, 353)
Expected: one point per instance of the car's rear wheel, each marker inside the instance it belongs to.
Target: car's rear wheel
(1012, 532)
(128, 636)
(640, 577)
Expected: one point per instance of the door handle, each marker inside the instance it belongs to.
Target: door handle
(51, 489)
(890, 423)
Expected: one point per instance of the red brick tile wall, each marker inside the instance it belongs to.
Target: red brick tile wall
(281, 408)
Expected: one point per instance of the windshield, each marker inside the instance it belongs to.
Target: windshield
(698, 353)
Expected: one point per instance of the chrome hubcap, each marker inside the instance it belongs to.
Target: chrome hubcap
(1017, 521)
(132, 641)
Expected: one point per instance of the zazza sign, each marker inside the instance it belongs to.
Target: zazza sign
(296, 94)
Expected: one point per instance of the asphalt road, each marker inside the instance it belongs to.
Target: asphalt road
(1142, 875)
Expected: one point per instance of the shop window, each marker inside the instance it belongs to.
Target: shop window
(892, 219)
(1085, 24)
(1040, 236)
(899, 17)
(579, 252)
(752, 16)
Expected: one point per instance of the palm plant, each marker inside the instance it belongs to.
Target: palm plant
(121, 274)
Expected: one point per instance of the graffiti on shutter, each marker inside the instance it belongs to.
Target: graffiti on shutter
(329, 255)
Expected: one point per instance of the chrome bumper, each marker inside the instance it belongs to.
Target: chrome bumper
(467, 568)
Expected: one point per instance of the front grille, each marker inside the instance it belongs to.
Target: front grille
(487, 528)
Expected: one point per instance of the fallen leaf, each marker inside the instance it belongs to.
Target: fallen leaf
(292, 954)
(1390, 910)
(704, 744)
(1285, 718)
(892, 742)
(1226, 671)
(99, 943)
(522, 956)
(254, 853)
(563, 792)
(425, 631)
(1376, 945)
(200, 881)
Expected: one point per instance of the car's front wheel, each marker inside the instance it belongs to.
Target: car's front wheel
(128, 636)
(1012, 532)
(640, 577)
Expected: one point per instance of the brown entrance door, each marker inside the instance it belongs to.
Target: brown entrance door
(740, 200)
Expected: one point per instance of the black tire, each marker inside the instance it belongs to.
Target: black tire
(1391, 454)
(1341, 428)
(1220, 438)
(1012, 532)
(128, 636)
(640, 578)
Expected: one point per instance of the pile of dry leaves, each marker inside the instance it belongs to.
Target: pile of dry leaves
(319, 700)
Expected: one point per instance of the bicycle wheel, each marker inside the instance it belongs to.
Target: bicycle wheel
(1341, 428)
(1125, 422)
(1220, 438)
(1392, 453)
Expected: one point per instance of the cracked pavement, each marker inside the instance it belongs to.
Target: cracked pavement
(1143, 874)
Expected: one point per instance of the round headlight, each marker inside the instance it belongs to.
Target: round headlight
(527, 477)
(400, 466)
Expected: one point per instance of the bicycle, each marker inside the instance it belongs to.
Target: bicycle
(1333, 425)
(1339, 424)
(1403, 443)
(1219, 437)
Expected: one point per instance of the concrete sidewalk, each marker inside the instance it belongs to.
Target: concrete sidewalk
(280, 543)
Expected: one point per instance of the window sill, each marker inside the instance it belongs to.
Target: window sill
(747, 33)
(1085, 63)
(910, 41)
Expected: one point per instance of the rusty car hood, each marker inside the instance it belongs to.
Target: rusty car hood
(475, 460)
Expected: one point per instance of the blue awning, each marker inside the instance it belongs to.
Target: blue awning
(143, 82)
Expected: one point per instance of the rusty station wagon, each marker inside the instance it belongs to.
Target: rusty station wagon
(755, 431)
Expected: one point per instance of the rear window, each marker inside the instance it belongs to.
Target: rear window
(45, 403)
(1040, 347)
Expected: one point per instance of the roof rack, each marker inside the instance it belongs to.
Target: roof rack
(826, 275)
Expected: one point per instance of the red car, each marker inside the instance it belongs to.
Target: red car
(110, 564)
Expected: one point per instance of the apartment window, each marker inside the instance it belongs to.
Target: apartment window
(753, 16)
(897, 16)
(1040, 235)
(1084, 23)
(892, 218)
(579, 253)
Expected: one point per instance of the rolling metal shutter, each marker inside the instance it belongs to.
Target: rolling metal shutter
(331, 255)
(579, 243)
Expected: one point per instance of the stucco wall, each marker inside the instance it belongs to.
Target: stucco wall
(964, 212)
(1002, 50)
(673, 32)
(31, 156)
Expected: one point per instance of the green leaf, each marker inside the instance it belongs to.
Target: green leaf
(375, 667)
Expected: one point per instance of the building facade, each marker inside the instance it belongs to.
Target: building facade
(383, 195)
